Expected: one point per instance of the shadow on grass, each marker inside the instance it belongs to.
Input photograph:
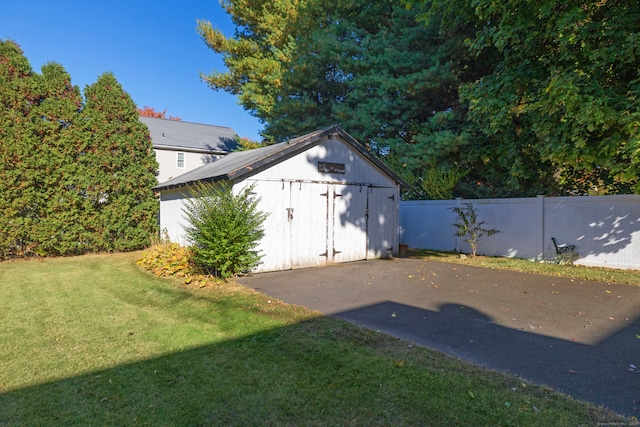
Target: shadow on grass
(328, 372)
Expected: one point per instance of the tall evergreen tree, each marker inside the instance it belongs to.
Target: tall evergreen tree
(18, 96)
(388, 80)
(60, 227)
(118, 168)
(259, 54)
(38, 158)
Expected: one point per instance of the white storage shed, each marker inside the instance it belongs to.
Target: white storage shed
(327, 197)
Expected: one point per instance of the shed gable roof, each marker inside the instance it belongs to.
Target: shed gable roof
(241, 164)
(186, 136)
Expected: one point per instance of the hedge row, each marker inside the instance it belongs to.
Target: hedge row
(76, 173)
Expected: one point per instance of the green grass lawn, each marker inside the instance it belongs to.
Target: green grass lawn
(608, 275)
(94, 340)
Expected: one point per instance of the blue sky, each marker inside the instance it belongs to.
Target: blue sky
(151, 47)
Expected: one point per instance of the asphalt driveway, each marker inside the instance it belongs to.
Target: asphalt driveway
(578, 337)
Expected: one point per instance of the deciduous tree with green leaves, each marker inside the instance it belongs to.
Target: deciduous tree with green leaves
(566, 83)
(469, 228)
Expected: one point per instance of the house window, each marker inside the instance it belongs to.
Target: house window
(180, 162)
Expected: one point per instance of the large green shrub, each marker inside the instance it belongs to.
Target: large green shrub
(224, 228)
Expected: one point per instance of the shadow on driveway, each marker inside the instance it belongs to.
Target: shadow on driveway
(581, 338)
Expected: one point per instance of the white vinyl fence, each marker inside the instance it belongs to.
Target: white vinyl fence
(605, 229)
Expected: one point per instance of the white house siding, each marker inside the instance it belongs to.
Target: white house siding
(314, 218)
(172, 219)
(605, 229)
(168, 162)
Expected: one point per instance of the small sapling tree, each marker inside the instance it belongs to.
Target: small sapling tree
(224, 228)
(469, 228)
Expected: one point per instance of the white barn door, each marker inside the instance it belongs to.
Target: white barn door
(308, 224)
(275, 246)
(311, 224)
(364, 220)
(295, 231)
(348, 223)
(382, 221)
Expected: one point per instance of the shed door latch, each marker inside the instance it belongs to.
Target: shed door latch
(289, 214)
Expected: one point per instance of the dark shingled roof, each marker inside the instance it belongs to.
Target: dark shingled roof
(185, 136)
(241, 164)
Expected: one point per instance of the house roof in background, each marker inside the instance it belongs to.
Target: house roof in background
(241, 164)
(185, 136)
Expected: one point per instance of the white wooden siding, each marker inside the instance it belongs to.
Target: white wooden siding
(172, 220)
(304, 166)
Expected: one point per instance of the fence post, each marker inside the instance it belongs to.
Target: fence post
(459, 238)
(540, 256)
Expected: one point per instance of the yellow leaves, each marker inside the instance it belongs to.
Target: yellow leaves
(168, 259)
